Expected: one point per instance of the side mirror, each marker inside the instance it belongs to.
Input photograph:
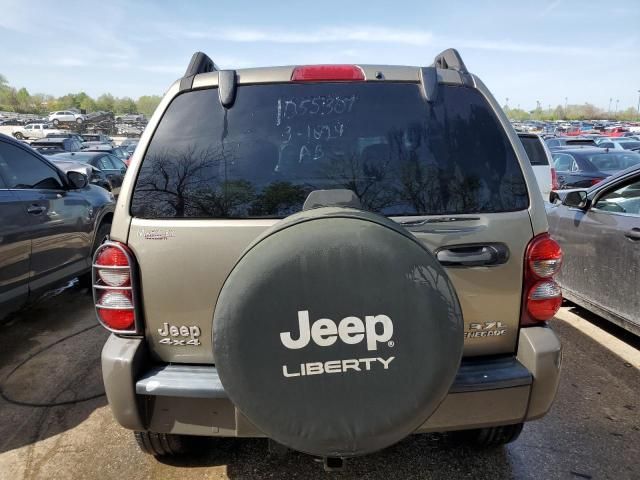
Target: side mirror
(576, 199)
(77, 180)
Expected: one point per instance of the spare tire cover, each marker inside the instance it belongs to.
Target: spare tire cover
(337, 333)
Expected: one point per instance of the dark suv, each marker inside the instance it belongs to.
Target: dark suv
(50, 223)
(332, 257)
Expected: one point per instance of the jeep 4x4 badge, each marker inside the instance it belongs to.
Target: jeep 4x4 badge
(179, 336)
(351, 330)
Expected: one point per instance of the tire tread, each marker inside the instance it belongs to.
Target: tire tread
(160, 444)
(489, 437)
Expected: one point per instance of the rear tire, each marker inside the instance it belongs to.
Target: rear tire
(489, 437)
(56, 122)
(161, 444)
(18, 135)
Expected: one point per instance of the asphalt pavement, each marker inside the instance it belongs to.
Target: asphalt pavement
(55, 422)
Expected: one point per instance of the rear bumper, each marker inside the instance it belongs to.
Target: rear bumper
(190, 399)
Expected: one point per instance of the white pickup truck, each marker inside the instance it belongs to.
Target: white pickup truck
(34, 130)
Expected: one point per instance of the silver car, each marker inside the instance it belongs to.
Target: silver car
(599, 231)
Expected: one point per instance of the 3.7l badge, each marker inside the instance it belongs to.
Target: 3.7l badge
(179, 335)
(485, 329)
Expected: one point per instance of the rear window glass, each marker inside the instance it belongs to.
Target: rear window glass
(262, 157)
(581, 142)
(614, 161)
(535, 150)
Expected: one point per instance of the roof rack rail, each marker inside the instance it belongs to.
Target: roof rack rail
(200, 63)
(450, 59)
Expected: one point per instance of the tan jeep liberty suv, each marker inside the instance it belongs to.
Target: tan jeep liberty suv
(332, 257)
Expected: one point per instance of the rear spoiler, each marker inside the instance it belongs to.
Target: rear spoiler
(448, 59)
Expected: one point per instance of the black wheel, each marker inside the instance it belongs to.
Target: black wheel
(18, 135)
(488, 437)
(161, 444)
(79, 121)
(101, 236)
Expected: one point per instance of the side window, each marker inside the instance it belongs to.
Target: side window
(119, 164)
(624, 199)
(104, 163)
(574, 166)
(29, 127)
(22, 170)
(562, 161)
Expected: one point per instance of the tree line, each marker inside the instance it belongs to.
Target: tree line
(21, 101)
(585, 111)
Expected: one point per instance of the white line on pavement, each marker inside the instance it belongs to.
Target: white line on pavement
(611, 343)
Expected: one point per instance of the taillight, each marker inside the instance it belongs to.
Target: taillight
(542, 296)
(595, 181)
(554, 180)
(113, 291)
(327, 73)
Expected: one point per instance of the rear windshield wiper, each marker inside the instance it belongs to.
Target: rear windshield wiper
(417, 223)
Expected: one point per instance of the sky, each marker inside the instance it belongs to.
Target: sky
(526, 51)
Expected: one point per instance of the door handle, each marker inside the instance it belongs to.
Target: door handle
(473, 255)
(36, 210)
(633, 234)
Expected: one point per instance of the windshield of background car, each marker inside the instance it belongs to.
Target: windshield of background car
(535, 151)
(262, 157)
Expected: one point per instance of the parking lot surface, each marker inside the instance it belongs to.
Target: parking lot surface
(55, 422)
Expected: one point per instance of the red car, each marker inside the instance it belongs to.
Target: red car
(616, 132)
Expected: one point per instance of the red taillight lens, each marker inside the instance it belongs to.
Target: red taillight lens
(112, 257)
(327, 73)
(112, 287)
(554, 180)
(117, 319)
(595, 181)
(542, 296)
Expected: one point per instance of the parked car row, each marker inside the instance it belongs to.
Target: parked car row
(130, 125)
(572, 128)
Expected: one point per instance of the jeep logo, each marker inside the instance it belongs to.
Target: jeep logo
(351, 330)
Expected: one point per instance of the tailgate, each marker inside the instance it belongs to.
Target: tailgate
(184, 263)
